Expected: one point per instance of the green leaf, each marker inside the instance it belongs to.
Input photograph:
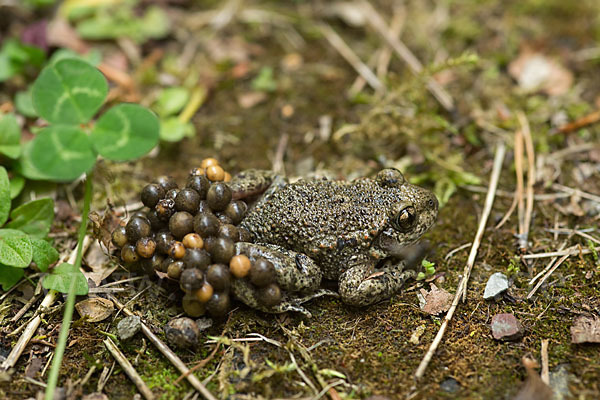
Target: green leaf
(15, 248)
(16, 56)
(17, 183)
(10, 136)
(43, 254)
(9, 276)
(92, 57)
(24, 103)
(125, 132)
(60, 279)
(69, 92)
(33, 218)
(25, 165)
(61, 152)
(173, 130)
(265, 82)
(4, 195)
(171, 100)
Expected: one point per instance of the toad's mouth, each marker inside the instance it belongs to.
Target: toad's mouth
(412, 255)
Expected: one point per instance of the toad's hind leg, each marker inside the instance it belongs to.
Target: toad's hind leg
(359, 290)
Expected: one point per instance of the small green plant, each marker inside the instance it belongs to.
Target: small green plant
(175, 106)
(429, 270)
(68, 93)
(16, 58)
(513, 267)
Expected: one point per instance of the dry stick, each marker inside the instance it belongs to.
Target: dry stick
(570, 251)
(580, 123)
(167, 352)
(511, 209)
(34, 324)
(381, 57)
(545, 369)
(530, 178)
(345, 51)
(462, 287)
(377, 23)
(576, 192)
(520, 184)
(128, 368)
(558, 263)
(546, 269)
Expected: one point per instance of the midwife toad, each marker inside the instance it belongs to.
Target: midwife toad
(355, 232)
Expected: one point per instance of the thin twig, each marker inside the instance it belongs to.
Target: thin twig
(128, 368)
(581, 122)
(462, 287)
(350, 56)
(545, 375)
(530, 178)
(511, 195)
(541, 273)
(378, 23)
(506, 216)
(570, 251)
(167, 352)
(576, 192)
(520, 184)
(541, 281)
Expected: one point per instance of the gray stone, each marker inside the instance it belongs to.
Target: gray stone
(204, 323)
(506, 327)
(496, 285)
(559, 382)
(128, 327)
(450, 385)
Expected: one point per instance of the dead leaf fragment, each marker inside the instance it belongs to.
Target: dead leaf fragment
(435, 301)
(95, 309)
(533, 388)
(585, 330)
(250, 99)
(535, 71)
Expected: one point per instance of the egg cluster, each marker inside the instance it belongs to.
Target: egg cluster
(188, 235)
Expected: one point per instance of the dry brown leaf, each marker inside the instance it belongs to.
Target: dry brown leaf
(585, 329)
(535, 71)
(533, 388)
(98, 261)
(95, 309)
(436, 300)
(250, 99)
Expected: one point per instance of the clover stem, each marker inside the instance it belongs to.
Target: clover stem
(70, 304)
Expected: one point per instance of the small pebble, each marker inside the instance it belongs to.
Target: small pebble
(506, 327)
(496, 285)
(182, 332)
(128, 327)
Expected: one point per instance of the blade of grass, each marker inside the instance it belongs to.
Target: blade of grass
(68, 315)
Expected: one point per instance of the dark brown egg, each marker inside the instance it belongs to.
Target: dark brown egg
(187, 200)
(155, 222)
(176, 250)
(206, 225)
(223, 219)
(270, 295)
(128, 254)
(218, 196)
(181, 223)
(197, 258)
(145, 247)
(164, 265)
(172, 194)
(166, 183)
(140, 214)
(200, 184)
(192, 306)
(193, 241)
(183, 332)
(163, 241)
(119, 236)
(222, 250)
(245, 235)
(204, 293)
(154, 263)
(137, 228)
(240, 266)
(175, 270)
(218, 305)
(236, 211)
(229, 231)
(219, 277)
(197, 171)
(191, 279)
(204, 208)
(165, 208)
(262, 272)
(151, 194)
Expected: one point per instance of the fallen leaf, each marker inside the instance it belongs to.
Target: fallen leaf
(585, 329)
(98, 261)
(533, 388)
(250, 99)
(95, 309)
(535, 71)
(435, 301)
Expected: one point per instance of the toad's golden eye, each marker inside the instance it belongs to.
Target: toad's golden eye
(405, 219)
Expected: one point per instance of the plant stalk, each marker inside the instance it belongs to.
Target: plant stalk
(70, 305)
